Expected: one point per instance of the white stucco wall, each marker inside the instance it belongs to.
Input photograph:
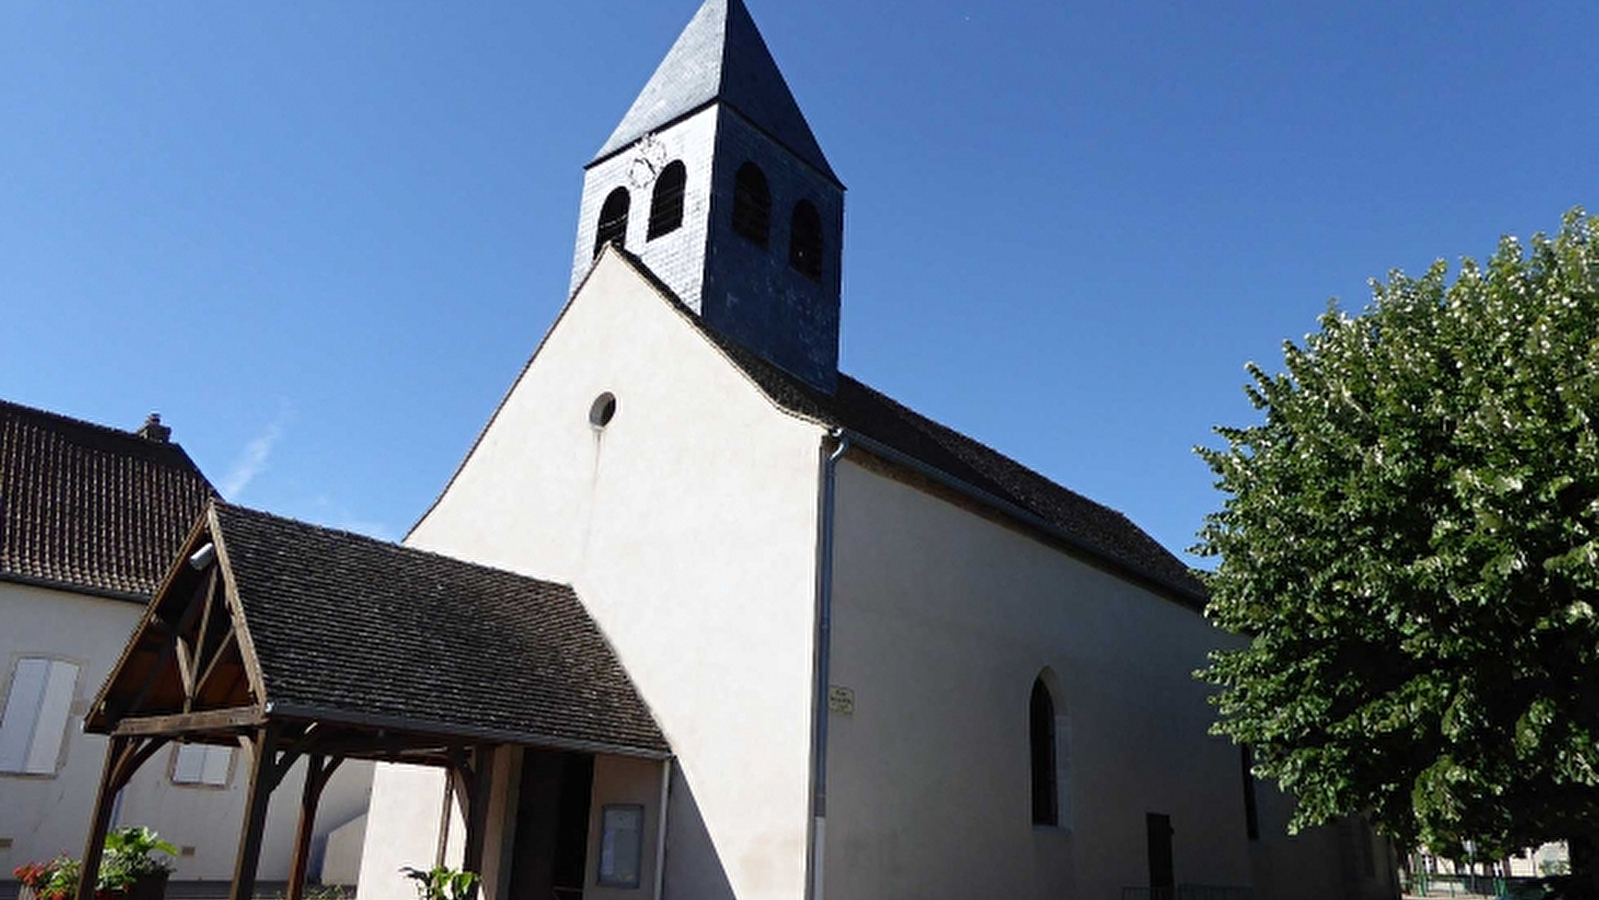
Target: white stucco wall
(45, 815)
(403, 830)
(942, 620)
(688, 527)
(48, 815)
(635, 782)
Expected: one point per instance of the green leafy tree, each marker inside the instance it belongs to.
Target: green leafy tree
(1410, 544)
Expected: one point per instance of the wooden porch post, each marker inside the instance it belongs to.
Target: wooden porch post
(101, 823)
(318, 770)
(123, 757)
(477, 808)
(263, 778)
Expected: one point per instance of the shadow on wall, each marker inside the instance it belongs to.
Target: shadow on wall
(694, 869)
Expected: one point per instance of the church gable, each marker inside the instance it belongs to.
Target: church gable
(624, 383)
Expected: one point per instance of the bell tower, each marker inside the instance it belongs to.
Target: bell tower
(716, 182)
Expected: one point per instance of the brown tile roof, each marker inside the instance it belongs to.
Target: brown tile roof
(359, 630)
(1095, 530)
(91, 508)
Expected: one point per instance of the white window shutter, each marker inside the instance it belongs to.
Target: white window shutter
(217, 760)
(21, 715)
(189, 766)
(54, 712)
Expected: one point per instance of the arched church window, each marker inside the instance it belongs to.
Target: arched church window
(1041, 734)
(752, 204)
(805, 240)
(613, 220)
(666, 204)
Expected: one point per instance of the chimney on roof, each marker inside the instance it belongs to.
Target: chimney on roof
(153, 430)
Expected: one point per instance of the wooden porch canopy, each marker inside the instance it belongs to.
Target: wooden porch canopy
(296, 641)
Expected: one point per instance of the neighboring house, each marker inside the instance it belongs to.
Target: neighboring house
(890, 662)
(90, 520)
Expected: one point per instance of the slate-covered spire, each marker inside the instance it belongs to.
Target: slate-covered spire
(715, 182)
(720, 56)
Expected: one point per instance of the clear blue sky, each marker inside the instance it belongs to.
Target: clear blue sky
(322, 238)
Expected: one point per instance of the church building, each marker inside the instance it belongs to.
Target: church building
(701, 617)
(888, 661)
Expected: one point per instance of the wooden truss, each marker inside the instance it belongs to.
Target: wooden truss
(190, 674)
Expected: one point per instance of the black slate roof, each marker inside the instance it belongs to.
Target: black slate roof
(91, 508)
(721, 56)
(355, 629)
(1102, 532)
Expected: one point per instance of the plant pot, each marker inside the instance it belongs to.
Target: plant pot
(148, 887)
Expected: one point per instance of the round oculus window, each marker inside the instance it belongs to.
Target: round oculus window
(602, 410)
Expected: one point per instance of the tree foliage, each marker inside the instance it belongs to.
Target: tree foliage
(1410, 543)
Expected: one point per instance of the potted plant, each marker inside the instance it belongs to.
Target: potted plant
(131, 868)
(56, 879)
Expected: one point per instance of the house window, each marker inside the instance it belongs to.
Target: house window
(621, 845)
(33, 726)
(202, 764)
(613, 221)
(666, 204)
(805, 240)
(752, 204)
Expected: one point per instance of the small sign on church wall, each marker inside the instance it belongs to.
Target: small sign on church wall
(841, 700)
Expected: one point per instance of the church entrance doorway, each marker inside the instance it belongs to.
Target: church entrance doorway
(550, 854)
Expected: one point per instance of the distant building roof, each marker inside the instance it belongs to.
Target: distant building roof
(721, 56)
(91, 508)
(1095, 529)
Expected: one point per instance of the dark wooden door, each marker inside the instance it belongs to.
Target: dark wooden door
(1162, 881)
(552, 814)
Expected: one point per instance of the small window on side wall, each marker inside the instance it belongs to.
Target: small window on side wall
(613, 221)
(621, 845)
(752, 204)
(666, 204)
(1041, 739)
(805, 240)
(33, 725)
(202, 764)
(1049, 729)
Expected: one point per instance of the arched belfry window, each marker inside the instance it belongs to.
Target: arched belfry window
(666, 204)
(1050, 753)
(613, 220)
(752, 204)
(805, 240)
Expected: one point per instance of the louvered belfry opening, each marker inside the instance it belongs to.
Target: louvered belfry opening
(613, 220)
(805, 245)
(666, 203)
(752, 204)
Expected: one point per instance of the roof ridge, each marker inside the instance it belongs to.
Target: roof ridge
(919, 417)
(75, 421)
